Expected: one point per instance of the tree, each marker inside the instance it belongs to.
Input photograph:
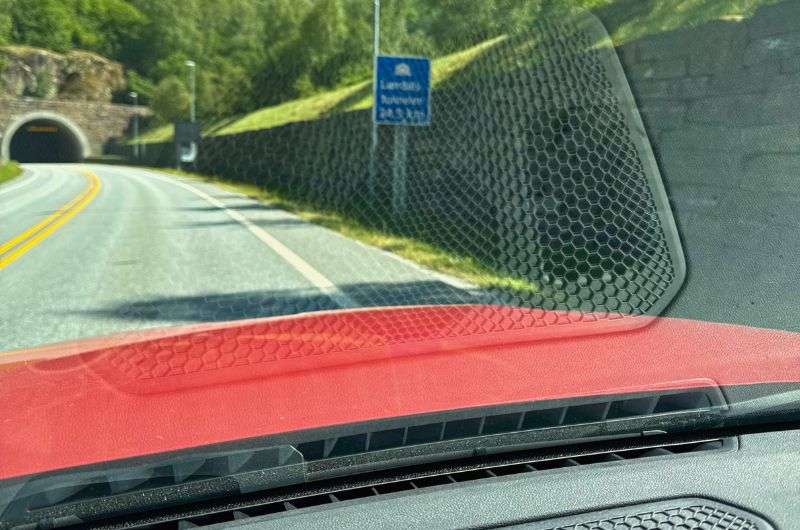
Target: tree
(6, 23)
(141, 85)
(106, 26)
(224, 38)
(170, 100)
(45, 23)
(224, 90)
(321, 42)
(275, 78)
(171, 30)
(103, 26)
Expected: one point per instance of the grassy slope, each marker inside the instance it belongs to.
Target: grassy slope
(9, 171)
(429, 256)
(354, 97)
(631, 20)
(161, 133)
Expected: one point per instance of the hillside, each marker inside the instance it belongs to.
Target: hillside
(355, 97)
(626, 21)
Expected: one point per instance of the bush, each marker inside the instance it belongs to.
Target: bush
(8, 171)
(170, 100)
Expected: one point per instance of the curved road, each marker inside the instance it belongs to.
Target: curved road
(143, 249)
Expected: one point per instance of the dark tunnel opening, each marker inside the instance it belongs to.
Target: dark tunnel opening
(43, 140)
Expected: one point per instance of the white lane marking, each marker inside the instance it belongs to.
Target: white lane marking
(454, 282)
(288, 255)
(31, 176)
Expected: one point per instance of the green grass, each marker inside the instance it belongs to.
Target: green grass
(162, 133)
(425, 254)
(310, 108)
(9, 171)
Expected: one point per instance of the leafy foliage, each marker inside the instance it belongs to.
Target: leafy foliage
(170, 99)
(104, 26)
(5, 22)
(255, 53)
(249, 53)
(9, 170)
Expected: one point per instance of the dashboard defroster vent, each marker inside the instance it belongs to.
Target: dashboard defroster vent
(421, 477)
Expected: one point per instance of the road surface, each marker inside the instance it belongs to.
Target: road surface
(92, 250)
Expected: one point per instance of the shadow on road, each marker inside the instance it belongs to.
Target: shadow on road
(257, 304)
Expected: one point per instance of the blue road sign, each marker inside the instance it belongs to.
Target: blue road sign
(403, 91)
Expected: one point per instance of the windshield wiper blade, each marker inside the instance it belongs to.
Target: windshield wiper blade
(773, 406)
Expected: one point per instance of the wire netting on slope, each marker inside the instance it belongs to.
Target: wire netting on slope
(536, 164)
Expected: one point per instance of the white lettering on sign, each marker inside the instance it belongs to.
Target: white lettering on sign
(405, 86)
(402, 91)
(401, 100)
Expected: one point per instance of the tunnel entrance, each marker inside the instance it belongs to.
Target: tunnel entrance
(45, 140)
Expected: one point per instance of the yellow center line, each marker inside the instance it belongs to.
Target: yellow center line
(41, 224)
(13, 249)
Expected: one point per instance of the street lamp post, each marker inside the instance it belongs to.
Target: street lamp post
(135, 99)
(376, 46)
(193, 90)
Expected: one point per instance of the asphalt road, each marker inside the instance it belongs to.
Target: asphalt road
(90, 250)
(153, 250)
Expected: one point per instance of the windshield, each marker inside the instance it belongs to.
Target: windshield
(225, 219)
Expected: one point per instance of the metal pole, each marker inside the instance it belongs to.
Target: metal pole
(192, 103)
(135, 98)
(193, 91)
(399, 191)
(376, 45)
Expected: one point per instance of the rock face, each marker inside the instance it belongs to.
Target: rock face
(77, 75)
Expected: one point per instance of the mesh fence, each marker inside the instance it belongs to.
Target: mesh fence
(536, 166)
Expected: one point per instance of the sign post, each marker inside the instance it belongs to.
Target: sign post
(376, 50)
(399, 190)
(403, 99)
(135, 99)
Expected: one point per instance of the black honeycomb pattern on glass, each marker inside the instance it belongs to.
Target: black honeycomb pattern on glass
(700, 517)
(536, 167)
(530, 166)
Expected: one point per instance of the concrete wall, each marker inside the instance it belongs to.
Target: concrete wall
(721, 103)
(100, 123)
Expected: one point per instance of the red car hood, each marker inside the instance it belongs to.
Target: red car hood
(151, 392)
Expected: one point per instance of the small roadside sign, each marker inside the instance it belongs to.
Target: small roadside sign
(402, 90)
(187, 138)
